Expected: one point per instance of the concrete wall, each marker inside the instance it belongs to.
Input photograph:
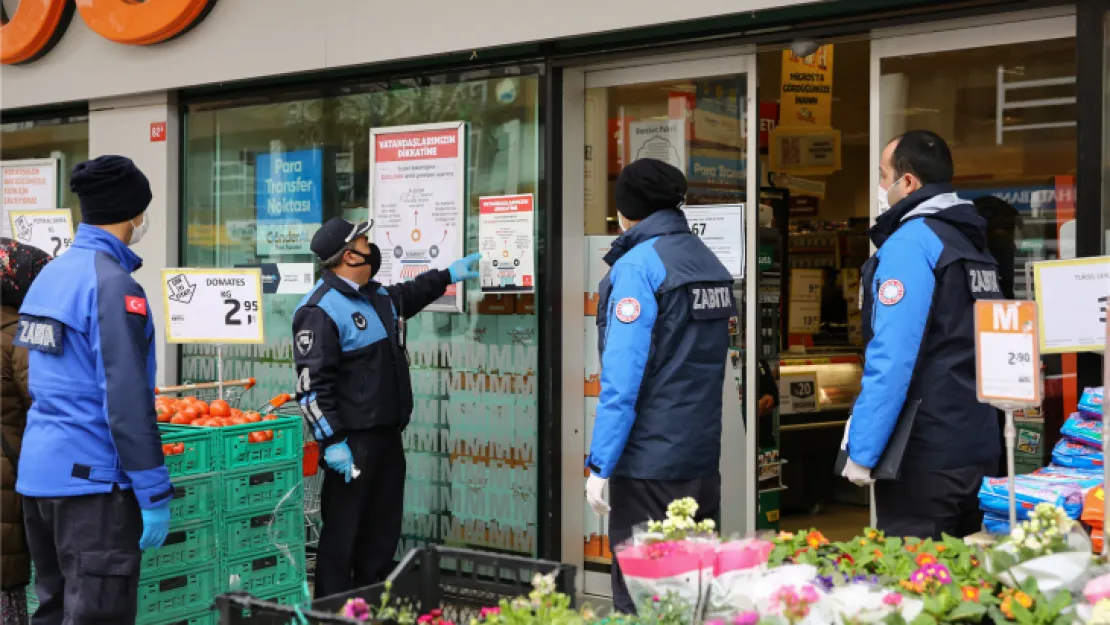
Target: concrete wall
(243, 39)
(122, 126)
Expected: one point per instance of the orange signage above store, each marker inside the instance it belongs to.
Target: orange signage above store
(37, 26)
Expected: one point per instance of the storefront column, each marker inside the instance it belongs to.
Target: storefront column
(146, 129)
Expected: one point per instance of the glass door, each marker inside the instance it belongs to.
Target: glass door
(1003, 95)
(696, 114)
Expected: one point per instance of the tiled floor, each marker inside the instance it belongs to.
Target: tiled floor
(836, 522)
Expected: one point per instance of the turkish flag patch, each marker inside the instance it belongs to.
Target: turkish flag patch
(135, 305)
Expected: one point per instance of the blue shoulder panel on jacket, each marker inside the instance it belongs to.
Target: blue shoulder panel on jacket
(356, 319)
(902, 292)
(631, 312)
(124, 346)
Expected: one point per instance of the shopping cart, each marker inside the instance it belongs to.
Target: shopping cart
(285, 404)
(231, 391)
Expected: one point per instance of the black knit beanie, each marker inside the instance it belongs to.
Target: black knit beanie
(649, 185)
(111, 188)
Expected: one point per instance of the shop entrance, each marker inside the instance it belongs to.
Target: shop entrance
(1002, 93)
(696, 112)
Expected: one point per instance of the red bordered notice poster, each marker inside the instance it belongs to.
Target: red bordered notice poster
(506, 238)
(418, 185)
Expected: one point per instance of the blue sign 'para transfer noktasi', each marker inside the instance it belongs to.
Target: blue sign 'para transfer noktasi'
(289, 200)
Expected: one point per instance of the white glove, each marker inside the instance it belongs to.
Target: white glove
(595, 494)
(860, 476)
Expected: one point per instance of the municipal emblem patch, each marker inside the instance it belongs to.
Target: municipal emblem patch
(628, 310)
(305, 339)
(891, 292)
(360, 321)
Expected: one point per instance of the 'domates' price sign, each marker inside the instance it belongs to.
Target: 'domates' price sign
(49, 230)
(1006, 353)
(213, 305)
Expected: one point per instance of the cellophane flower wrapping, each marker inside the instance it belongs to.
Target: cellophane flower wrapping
(768, 595)
(658, 568)
(737, 564)
(866, 603)
(1065, 565)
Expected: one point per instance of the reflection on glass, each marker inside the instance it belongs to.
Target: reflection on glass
(471, 445)
(697, 125)
(65, 139)
(1008, 113)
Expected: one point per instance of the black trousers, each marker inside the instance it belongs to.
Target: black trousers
(636, 501)
(87, 558)
(362, 518)
(926, 504)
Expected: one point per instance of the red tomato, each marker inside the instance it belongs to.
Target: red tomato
(191, 413)
(270, 417)
(252, 417)
(256, 437)
(237, 421)
(201, 406)
(180, 419)
(164, 417)
(179, 448)
(219, 408)
(269, 435)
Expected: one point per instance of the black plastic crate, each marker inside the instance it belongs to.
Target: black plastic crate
(458, 581)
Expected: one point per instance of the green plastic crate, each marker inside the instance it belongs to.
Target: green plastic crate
(174, 596)
(245, 533)
(186, 547)
(207, 617)
(195, 499)
(236, 450)
(290, 596)
(268, 573)
(262, 488)
(32, 598)
(200, 454)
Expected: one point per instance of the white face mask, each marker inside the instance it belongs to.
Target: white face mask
(140, 230)
(884, 200)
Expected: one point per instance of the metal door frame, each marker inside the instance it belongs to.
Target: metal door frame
(738, 513)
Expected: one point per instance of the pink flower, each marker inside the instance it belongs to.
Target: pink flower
(487, 612)
(809, 594)
(1097, 589)
(356, 609)
(746, 618)
(427, 618)
(892, 599)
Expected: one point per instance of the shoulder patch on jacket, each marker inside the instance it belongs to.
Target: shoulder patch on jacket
(40, 333)
(891, 292)
(305, 340)
(134, 305)
(628, 310)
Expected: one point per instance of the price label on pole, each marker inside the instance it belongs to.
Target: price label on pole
(1006, 353)
(213, 305)
(49, 230)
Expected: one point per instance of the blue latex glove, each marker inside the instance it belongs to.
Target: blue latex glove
(460, 269)
(339, 459)
(156, 525)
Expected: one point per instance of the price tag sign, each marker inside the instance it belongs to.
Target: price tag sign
(49, 230)
(805, 301)
(798, 393)
(213, 305)
(1006, 353)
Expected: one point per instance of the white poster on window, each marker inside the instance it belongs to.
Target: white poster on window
(506, 238)
(30, 184)
(721, 228)
(50, 231)
(663, 140)
(417, 182)
(212, 305)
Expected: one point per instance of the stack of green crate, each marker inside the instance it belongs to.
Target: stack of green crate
(261, 533)
(225, 508)
(178, 580)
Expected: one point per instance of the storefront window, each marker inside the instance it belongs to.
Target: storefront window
(471, 445)
(63, 139)
(1008, 113)
(1106, 129)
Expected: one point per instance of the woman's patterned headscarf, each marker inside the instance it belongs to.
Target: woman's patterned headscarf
(20, 264)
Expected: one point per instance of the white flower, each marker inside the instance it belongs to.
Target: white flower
(1032, 543)
(1017, 534)
(1034, 526)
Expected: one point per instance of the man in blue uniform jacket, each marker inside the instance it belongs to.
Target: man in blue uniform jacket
(354, 390)
(919, 292)
(91, 469)
(663, 338)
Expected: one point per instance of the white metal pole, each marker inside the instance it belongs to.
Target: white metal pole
(874, 512)
(1011, 433)
(220, 371)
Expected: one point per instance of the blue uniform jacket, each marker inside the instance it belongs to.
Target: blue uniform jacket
(918, 297)
(349, 351)
(92, 425)
(663, 339)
